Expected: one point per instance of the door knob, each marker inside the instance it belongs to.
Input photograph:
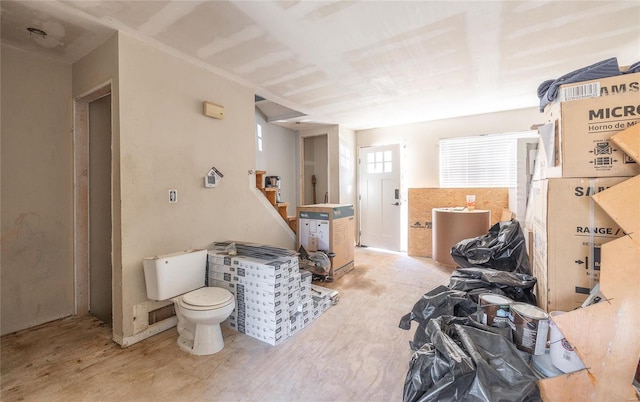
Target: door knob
(396, 203)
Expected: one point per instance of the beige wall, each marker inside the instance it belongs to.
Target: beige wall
(167, 143)
(37, 204)
(161, 141)
(347, 164)
(278, 158)
(421, 139)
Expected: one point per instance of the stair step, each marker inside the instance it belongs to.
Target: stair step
(272, 194)
(260, 178)
(282, 209)
(293, 223)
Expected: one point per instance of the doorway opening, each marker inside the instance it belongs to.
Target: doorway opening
(93, 204)
(315, 170)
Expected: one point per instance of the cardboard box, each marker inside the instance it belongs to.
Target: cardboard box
(292, 306)
(247, 282)
(231, 287)
(266, 319)
(270, 337)
(581, 145)
(305, 277)
(568, 230)
(295, 323)
(218, 259)
(332, 226)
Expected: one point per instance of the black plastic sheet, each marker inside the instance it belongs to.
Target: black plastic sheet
(439, 301)
(517, 287)
(464, 362)
(503, 248)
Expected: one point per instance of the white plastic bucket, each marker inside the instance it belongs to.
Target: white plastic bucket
(563, 357)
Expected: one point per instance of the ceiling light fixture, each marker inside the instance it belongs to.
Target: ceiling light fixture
(37, 31)
(43, 39)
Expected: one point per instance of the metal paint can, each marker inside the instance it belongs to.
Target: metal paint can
(530, 326)
(493, 309)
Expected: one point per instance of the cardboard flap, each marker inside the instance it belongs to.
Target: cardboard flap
(622, 203)
(605, 335)
(629, 141)
(620, 277)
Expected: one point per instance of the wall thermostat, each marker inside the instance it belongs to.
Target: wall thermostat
(210, 181)
(213, 177)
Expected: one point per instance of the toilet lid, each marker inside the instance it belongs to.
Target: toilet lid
(210, 297)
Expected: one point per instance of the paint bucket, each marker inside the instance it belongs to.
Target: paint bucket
(530, 326)
(493, 309)
(563, 357)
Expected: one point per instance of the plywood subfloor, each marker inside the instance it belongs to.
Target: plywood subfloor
(353, 352)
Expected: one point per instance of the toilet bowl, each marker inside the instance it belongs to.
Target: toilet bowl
(199, 316)
(180, 277)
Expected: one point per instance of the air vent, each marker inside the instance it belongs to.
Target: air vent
(161, 314)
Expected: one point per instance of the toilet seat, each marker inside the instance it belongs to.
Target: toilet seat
(207, 298)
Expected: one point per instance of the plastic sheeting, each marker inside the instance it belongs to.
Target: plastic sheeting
(462, 362)
(438, 302)
(503, 248)
(456, 358)
(517, 287)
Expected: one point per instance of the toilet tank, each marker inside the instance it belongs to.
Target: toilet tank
(171, 275)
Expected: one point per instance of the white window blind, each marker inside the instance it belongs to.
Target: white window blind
(480, 161)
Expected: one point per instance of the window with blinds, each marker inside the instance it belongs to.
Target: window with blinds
(480, 161)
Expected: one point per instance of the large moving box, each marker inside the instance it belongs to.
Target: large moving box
(331, 228)
(580, 143)
(568, 230)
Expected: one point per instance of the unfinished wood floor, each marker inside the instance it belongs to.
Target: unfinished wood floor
(353, 352)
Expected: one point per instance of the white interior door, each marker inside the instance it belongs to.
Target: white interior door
(380, 196)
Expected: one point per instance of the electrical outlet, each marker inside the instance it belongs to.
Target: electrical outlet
(173, 196)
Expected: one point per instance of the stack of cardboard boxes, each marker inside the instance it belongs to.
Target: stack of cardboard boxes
(577, 159)
(274, 298)
(606, 335)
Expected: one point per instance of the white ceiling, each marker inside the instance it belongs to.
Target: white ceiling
(360, 64)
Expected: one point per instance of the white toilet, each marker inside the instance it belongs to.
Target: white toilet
(200, 310)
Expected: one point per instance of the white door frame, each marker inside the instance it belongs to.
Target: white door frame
(81, 196)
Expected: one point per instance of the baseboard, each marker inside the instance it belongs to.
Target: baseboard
(152, 330)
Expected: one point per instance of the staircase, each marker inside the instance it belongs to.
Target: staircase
(272, 196)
